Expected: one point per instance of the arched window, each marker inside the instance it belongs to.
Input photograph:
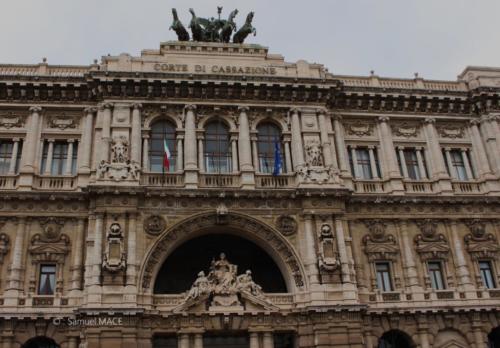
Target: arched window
(494, 338)
(395, 339)
(268, 137)
(162, 131)
(217, 148)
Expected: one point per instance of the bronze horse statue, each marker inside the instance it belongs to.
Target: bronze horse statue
(196, 28)
(245, 30)
(229, 27)
(179, 29)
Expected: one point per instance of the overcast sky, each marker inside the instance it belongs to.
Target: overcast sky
(437, 38)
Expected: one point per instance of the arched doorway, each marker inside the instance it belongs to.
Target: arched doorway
(494, 338)
(395, 339)
(179, 271)
(40, 342)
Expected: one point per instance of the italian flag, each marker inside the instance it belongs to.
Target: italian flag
(166, 155)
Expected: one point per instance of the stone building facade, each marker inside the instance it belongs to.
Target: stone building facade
(379, 229)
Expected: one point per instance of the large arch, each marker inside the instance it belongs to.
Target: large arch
(40, 342)
(266, 237)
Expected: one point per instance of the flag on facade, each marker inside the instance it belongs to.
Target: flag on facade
(277, 158)
(166, 156)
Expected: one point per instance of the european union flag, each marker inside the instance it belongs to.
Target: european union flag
(277, 158)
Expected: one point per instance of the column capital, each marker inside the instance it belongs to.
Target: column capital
(321, 111)
(294, 110)
(383, 119)
(243, 108)
(35, 108)
(136, 106)
(464, 149)
(71, 140)
(419, 148)
(16, 139)
(401, 147)
(190, 107)
(475, 122)
(447, 149)
(104, 106)
(90, 110)
(51, 140)
(370, 147)
(337, 117)
(429, 120)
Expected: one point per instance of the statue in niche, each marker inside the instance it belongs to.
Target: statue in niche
(314, 154)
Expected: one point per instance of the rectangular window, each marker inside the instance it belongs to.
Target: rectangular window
(59, 160)
(457, 163)
(411, 161)
(436, 275)
(47, 280)
(6, 148)
(363, 167)
(383, 271)
(487, 274)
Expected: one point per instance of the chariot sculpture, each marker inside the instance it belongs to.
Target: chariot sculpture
(213, 29)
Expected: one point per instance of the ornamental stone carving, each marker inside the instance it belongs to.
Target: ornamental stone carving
(405, 130)
(478, 243)
(120, 168)
(50, 245)
(377, 244)
(119, 150)
(359, 128)
(314, 154)
(223, 289)
(4, 246)
(114, 256)
(154, 225)
(62, 122)
(429, 244)
(51, 229)
(11, 120)
(450, 131)
(328, 258)
(251, 226)
(287, 225)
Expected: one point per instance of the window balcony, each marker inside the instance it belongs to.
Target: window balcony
(8, 182)
(369, 186)
(220, 180)
(467, 187)
(65, 183)
(164, 180)
(418, 186)
(272, 181)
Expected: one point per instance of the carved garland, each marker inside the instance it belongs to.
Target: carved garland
(202, 221)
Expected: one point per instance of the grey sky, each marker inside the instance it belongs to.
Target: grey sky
(436, 38)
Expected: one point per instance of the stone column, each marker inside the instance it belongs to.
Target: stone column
(89, 250)
(468, 169)
(341, 147)
(491, 133)
(244, 149)
(69, 158)
(453, 173)
(30, 144)
(77, 268)
(135, 135)
(309, 249)
(201, 154)
(190, 140)
(13, 157)
(420, 161)
(297, 147)
(180, 153)
(373, 163)
(408, 256)
(72, 342)
(255, 153)
(460, 262)
(254, 340)
(325, 139)
(106, 131)
(423, 329)
(131, 250)
(436, 156)
(483, 170)
(354, 157)
(268, 340)
(234, 153)
(341, 244)
(98, 241)
(86, 141)
(183, 340)
(288, 157)
(16, 266)
(403, 161)
(387, 146)
(48, 160)
(198, 340)
(477, 329)
(145, 153)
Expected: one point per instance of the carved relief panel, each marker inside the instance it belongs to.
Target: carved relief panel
(114, 255)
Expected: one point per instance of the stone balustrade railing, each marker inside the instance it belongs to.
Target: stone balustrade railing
(43, 70)
(375, 81)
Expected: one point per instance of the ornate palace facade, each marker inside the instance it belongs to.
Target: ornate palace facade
(379, 228)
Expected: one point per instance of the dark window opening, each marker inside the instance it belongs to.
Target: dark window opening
(395, 339)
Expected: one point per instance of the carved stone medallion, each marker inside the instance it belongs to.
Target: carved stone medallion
(154, 225)
(286, 225)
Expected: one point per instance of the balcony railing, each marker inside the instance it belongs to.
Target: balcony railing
(55, 183)
(220, 180)
(159, 179)
(418, 186)
(369, 186)
(271, 181)
(8, 182)
(467, 187)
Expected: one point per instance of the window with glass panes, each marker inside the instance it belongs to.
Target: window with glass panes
(6, 148)
(217, 148)
(268, 135)
(411, 161)
(59, 160)
(162, 131)
(362, 163)
(487, 274)
(435, 270)
(383, 271)
(47, 279)
(457, 161)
